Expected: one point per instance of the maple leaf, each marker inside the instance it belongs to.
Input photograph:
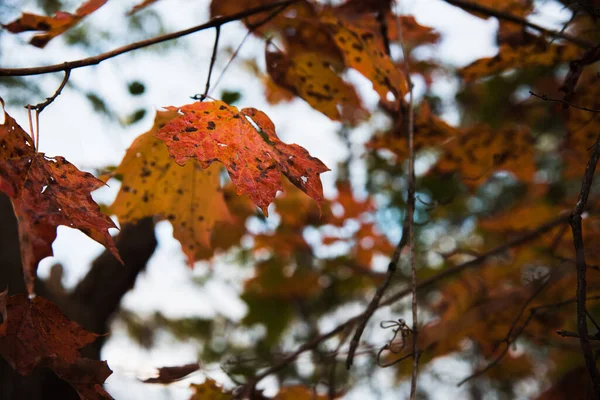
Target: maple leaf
(253, 156)
(536, 54)
(36, 329)
(481, 151)
(314, 78)
(47, 192)
(429, 131)
(188, 196)
(53, 26)
(364, 51)
(86, 376)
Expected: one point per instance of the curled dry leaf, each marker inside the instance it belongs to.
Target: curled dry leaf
(53, 26)
(47, 192)
(168, 375)
(246, 143)
(188, 196)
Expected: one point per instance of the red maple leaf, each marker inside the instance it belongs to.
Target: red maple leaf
(47, 192)
(246, 143)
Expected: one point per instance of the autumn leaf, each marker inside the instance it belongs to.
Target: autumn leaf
(536, 54)
(314, 78)
(253, 156)
(188, 196)
(429, 131)
(363, 50)
(86, 376)
(300, 9)
(36, 330)
(481, 151)
(168, 375)
(47, 192)
(210, 390)
(53, 26)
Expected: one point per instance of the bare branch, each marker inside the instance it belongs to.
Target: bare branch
(40, 107)
(213, 59)
(575, 222)
(546, 98)
(467, 5)
(215, 22)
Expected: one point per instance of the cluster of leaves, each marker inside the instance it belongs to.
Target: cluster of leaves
(496, 266)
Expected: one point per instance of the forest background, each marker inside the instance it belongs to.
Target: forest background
(304, 270)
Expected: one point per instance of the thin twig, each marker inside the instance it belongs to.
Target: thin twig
(546, 98)
(411, 211)
(509, 339)
(467, 5)
(41, 106)
(575, 222)
(563, 333)
(408, 224)
(84, 62)
(213, 59)
(251, 29)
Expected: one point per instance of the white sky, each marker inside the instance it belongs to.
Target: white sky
(69, 127)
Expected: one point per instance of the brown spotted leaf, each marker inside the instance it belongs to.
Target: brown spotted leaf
(47, 192)
(52, 26)
(537, 54)
(481, 151)
(246, 143)
(364, 51)
(314, 78)
(188, 196)
(429, 131)
(37, 330)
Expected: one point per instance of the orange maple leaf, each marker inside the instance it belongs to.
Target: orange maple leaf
(53, 26)
(246, 143)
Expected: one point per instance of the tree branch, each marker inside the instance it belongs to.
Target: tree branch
(213, 23)
(248, 388)
(467, 5)
(575, 222)
(565, 102)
